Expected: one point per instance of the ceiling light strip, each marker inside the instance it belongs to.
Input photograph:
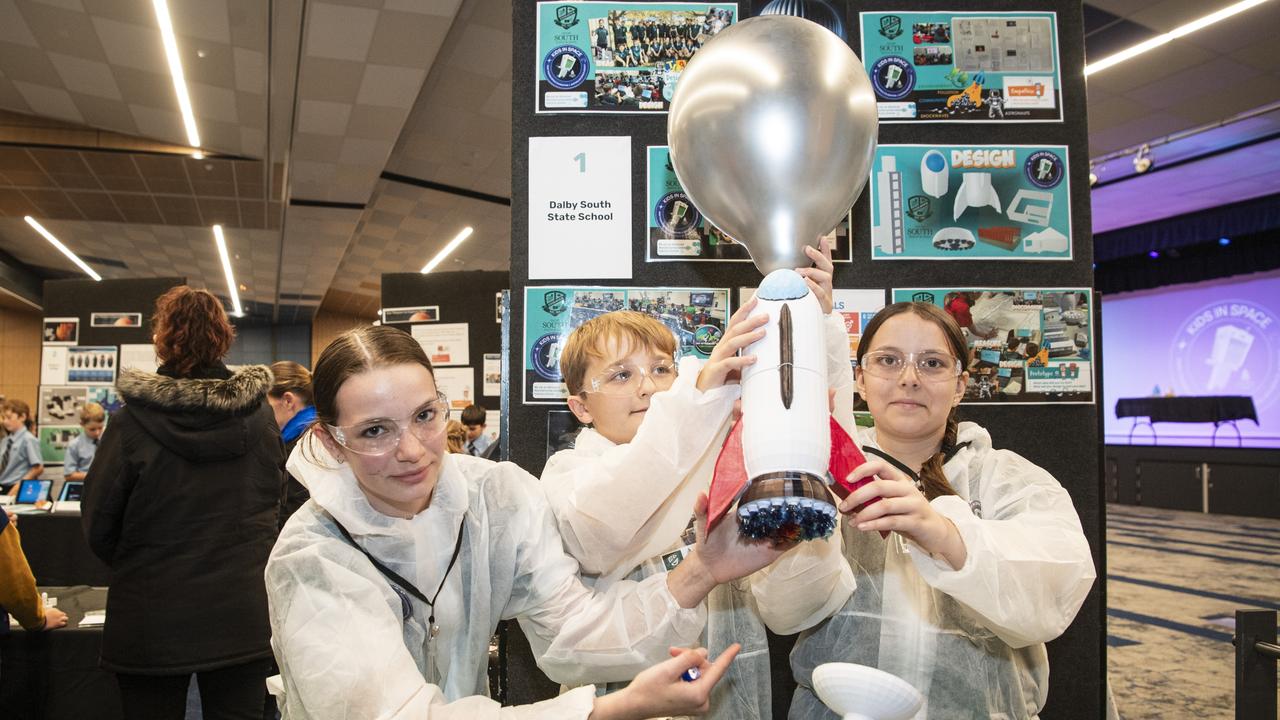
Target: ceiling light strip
(226, 268)
(1174, 34)
(175, 69)
(62, 248)
(453, 245)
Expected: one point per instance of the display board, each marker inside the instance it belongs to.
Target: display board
(451, 314)
(1057, 436)
(86, 325)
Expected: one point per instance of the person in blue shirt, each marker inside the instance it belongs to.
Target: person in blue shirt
(290, 398)
(478, 443)
(80, 452)
(20, 450)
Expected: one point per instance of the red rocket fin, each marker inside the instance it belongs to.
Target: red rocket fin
(729, 478)
(845, 458)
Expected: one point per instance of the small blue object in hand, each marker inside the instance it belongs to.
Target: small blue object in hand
(691, 674)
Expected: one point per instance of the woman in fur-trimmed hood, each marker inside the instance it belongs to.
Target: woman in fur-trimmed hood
(181, 502)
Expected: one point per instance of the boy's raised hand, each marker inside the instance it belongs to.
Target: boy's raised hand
(725, 364)
(818, 277)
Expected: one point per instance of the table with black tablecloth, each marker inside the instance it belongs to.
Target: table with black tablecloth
(54, 675)
(57, 551)
(1217, 409)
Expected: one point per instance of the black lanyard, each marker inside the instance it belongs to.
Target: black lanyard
(405, 585)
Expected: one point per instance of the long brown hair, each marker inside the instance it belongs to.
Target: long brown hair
(191, 330)
(357, 351)
(290, 377)
(932, 479)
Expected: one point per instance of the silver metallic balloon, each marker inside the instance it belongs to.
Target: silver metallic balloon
(772, 131)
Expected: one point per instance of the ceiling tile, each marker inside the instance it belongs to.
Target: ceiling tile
(165, 125)
(203, 20)
(13, 28)
(29, 64)
(214, 211)
(132, 46)
(64, 31)
(389, 86)
(14, 204)
(45, 100)
(250, 71)
(404, 39)
(137, 13)
(320, 117)
(339, 33)
(333, 80)
(178, 210)
(96, 206)
(217, 104)
(474, 51)
(138, 208)
(52, 203)
(88, 77)
(441, 8)
(105, 114)
(209, 63)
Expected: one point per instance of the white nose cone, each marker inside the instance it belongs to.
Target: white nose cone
(858, 692)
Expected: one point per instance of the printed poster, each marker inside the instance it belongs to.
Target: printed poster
(444, 343)
(53, 365)
(857, 307)
(60, 405)
(141, 356)
(677, 231)
(970, 202)
(91, 365)
(54, 441)
(1028, 345)
(614, 57)
(695, 316)
(492, 374)
(61, 331)
(457, 384)
(963, 66)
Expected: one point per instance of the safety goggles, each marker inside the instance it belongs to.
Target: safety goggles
(381, 436)
(628, 378)
(930, 366)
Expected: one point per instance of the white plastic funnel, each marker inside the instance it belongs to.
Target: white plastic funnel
(858, 692)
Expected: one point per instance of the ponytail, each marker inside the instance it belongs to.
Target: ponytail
(933, 481)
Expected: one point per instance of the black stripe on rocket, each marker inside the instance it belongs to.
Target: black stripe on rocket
(786, 369)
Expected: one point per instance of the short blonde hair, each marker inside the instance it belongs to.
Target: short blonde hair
(92, 412)
(588, 341)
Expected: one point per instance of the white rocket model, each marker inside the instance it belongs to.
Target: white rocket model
(776, 460)
(786, 440)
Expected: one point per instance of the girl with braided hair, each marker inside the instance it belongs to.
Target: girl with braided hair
(982, 560)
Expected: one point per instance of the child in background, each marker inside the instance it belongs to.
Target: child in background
(20, 450)
(80, 452)
(623, 497)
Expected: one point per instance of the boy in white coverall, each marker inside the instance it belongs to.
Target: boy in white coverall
(623, 497)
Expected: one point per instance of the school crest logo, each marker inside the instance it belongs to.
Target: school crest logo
(890, 27)
(566, 16)
(554, 302)
(919, 208)
(925, 297)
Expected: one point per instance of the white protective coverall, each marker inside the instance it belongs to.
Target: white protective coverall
(970, 640)
(621, 507)
(338, 630)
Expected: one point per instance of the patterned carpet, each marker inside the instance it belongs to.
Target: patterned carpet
(1174, 582)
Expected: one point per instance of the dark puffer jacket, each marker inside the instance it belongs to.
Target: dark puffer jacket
(181, 502)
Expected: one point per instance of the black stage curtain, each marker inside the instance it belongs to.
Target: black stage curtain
(1248, 217)
(1190, 263)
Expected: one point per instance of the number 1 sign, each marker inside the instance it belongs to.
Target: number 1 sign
(579, 207)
